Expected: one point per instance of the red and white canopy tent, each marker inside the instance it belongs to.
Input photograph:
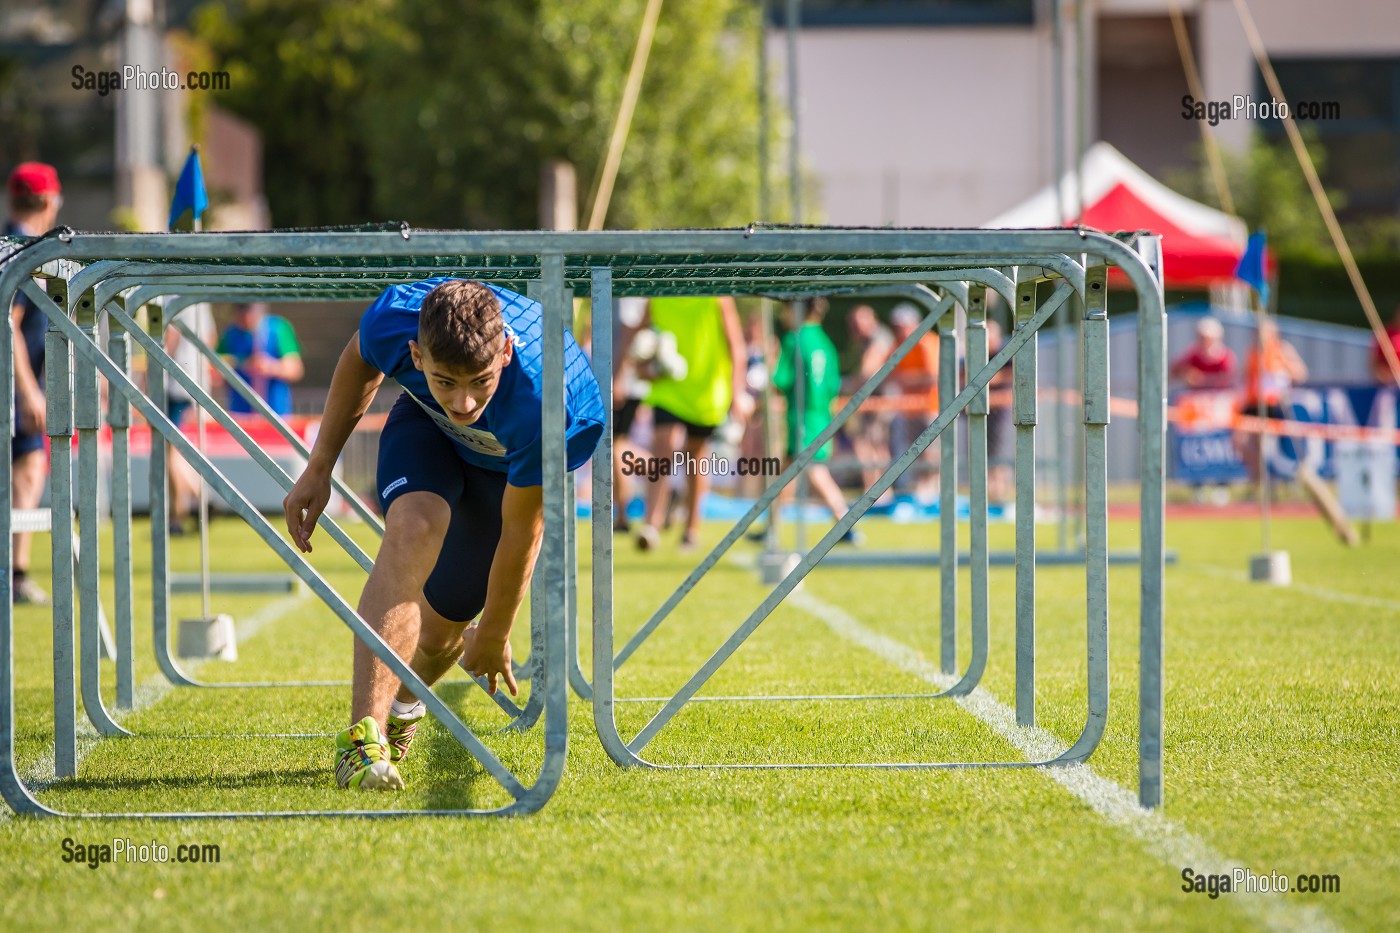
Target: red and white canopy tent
(1201, 245)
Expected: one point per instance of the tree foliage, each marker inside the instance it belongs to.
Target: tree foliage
(443, 113)
(1270, 192)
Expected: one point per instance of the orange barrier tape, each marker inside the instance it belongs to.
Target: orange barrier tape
(1186, 415)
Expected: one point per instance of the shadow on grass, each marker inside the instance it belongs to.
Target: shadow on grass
(268, 778)
(450, 774)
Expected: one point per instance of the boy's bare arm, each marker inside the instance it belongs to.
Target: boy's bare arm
(352, 389)
(522, 525)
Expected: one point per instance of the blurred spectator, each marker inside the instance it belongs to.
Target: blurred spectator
(756, 378)
(183, 480)
(1207, 363)
(1380, 369)
(914, 383)
(1272, 369)
(35, 197)
(689, 407)
(629, 388)
(262, 349)
(868, 429)
(808, 353)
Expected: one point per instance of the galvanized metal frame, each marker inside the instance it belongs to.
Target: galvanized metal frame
(64, 338)
(760, 261)
(629, 752)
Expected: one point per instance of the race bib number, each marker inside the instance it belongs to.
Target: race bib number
(475, 439)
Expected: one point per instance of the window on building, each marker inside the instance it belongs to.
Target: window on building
(909, 12)
(1353, 105)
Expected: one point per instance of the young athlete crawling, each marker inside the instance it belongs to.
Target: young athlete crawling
(459, 484)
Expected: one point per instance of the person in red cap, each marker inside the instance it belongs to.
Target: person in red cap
(35, 197)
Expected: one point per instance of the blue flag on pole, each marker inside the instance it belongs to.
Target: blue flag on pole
(1251, 266)
(189, 190)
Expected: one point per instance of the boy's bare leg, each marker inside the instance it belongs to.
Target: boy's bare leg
(826, 488)
(184, 485)
(659, 500)
(697, 485)
(440, 645)
(413, 531)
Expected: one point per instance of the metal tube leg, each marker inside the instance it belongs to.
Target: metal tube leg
(1061, 425)
(1152, 365)
(1024, 404)
(58, 389)
(577, 680)
(947, 496)
(977, 490)
(1096, 416)
(160, 525)
(604, 669)
(88, 412)
(552, 673)
(119, 417)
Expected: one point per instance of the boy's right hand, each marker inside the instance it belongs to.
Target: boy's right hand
(304, 505)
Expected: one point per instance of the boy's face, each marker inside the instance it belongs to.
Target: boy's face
(462, 395)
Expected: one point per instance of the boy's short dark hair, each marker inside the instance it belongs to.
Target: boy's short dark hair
(460, 325)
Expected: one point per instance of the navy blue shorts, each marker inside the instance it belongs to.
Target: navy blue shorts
(415, 456)
(24, 444)
(175, 409)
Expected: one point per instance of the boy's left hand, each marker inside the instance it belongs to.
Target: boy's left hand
(488, 656)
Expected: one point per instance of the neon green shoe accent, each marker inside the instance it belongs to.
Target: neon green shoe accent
(362, 759)
(398, 735)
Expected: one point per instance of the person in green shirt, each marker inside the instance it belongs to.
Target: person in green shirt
(690, 401)
(809, 377)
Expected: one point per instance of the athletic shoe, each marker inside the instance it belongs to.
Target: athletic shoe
(853, 536)
(688, 543)
(400, 731)
(26, 591)
(362, 759)
(648, 538)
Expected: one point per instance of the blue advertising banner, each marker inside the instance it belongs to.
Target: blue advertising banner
(1204, 443)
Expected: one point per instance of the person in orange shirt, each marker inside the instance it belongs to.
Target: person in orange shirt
(1272, 368)
(914, 382)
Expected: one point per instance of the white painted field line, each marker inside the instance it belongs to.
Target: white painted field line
(1160, 836)
(1336, 596)
(40, 775)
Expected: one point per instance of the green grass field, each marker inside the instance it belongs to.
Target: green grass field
(1283, 714)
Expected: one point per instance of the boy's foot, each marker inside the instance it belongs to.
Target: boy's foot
(399, 731)
(362, 759)
(648, 538)
(853, 537)
(688, 543)
(26, 591)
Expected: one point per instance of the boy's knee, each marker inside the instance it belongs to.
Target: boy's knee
(416, 520)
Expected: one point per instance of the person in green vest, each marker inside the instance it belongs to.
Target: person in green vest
(809, 376)
(690, 402)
